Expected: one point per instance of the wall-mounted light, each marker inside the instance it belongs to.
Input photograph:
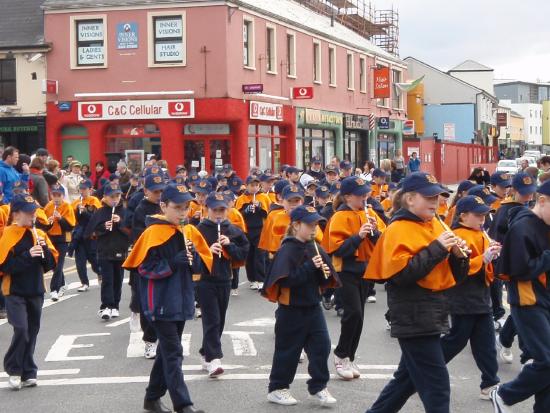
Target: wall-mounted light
(34, 57)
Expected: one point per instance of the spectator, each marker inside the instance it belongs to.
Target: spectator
(523, 165)
(414, 163)
(399, 165)
(52, 166)
(100, 173)
(72, 181)
(477, 176)
(368, 167)
(8, 173)
(385, 165)
(38, 186)
(335, 161)
(123, 172)
(86, 172)
(43, 154)
(545, 163)
(68, 161)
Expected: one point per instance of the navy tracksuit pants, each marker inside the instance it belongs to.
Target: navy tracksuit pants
(58, 278)
(214, 299)
(298, 328)
(86, 251)
(112, 276)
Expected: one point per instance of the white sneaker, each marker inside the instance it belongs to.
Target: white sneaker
(260, 285)
(302, 357)
(505, 353)
(215, 368)
(54, 296)
(498, 403)
(354, 369)
(388, 326)
(234, 292)
(343, 368)
(115, 313)
(485, 393)
(83, 288)
(253, 285)
(324, 397)
(282, 397)
(204, 364)
(104, 314)
(29, 383)
(371, 299)
(150, 350)
(62, 291)
(198, 313)
(14, 382)
(135, 325)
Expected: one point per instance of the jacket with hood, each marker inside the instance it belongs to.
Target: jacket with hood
(9, 176)
(111, 245)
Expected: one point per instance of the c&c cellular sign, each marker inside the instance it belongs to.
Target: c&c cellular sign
(136, 109)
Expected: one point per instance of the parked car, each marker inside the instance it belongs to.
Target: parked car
(507, 166)
(532, 154)
(531, 161)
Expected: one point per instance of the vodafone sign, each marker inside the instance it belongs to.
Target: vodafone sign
(302, 92)
(136, 109)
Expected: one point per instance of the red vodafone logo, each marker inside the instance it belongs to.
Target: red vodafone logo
(179, 108)
(91, 110)
(302, 92)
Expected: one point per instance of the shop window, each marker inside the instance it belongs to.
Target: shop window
(169, 42)
(252, 151)
(264, 146)
(316, 61)
(89, 48)
(291, 55)
(248, 43)
(8, 90)
(271, 50)
(314, 142)
(332, 66)
(123, 137)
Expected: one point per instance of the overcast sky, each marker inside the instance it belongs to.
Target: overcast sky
(511, 36)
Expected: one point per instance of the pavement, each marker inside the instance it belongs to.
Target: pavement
(88, 365)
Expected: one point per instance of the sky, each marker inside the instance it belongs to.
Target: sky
(510, 36)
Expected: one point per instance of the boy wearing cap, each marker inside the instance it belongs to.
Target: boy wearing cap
(25, 255)
(266, 182)
(85, 250)
(197, 210)
(293, 174)
(227, 243)
(322, 198)
(315, 169)
(378, 184)
(462, 190)
(500, 184)
(525, 261)
(332, 175)
(471, 311)
(254, 206)
(61, 221)
(236, 218)
(112, 248)
(165, 256)
(300, 272)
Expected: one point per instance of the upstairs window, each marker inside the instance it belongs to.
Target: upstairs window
(90, 43)
(8, 90)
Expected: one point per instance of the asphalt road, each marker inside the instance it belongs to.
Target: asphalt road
(87, 365)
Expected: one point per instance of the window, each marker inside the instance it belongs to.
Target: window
(316, 61)
(363, 74)
(90, 43)
(530, 129)
(168, 39)
(248, 44)
(351, 72)
(332, 66)
(396, 97)
(8, 91)
(271, 50)
(264, 146)
(291, 55)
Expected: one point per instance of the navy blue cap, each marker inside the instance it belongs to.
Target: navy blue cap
(152, 170)
(216, 200)
(179, 180)
(178, 194)
(484, 193)
(392, 186)
(154, 182)
(114, 176)
(501, 179)
(292, 191)
(85, 184)
(423, 183)
(314, 182)
(235, 183)
(322, 192)
(213, 181)
(252, 178)
(194, 177)
(332, 168)
(57, 189)
(465, 186)
(335, 187)
(20, 186)
(229, 195)
(524, 183)
(292, 170)
(307, 214)
(378, 173)
(544, 188)
(23, 202)
(267, 178)
(352, 185)
(472, 203)
(180, 168)
(111, 189)
(345, 165)
(203, 186)
(316, 159)
(280, 185)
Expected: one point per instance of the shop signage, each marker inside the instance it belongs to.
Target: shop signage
(127, 35)
(382, 82)
(408, 127)
(449, 131)
(15, 129)
(302, 92)
(136, 109)
(90, 31)
(356, 122)
(502, 119)
(209, 129)
(384, 122)
(319, 117)
(266, 111)
(253, 88)
(64, 106)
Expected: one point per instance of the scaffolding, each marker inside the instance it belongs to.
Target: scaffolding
(379, 26)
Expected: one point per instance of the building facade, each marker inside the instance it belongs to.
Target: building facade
(210, 82)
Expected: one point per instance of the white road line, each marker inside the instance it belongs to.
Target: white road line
(377, 366)
(65, 343)
(136, 346)
(60, 372)
(186, 344)
(257, 322)
(49, 302)
(242, 342)
(119, 323)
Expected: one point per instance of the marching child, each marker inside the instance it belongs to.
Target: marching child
(418, 268)
(165, 257)
(379, 187)
(26, 253)
(112, 248)
(236, 218)
(61, 219)
(227, 243)
(500, 184)
(300, 270)
(462, 190)
(198, 210)
(388, 202)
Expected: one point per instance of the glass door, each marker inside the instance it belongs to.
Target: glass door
(195, 154)
(220, 153)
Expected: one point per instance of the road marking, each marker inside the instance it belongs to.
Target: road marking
(377, 366)
(49, 302)
(242, 342)
(186, 344)
(257, 322)
(60, 372)
(136, 345)
(65, 343)
(119, 323)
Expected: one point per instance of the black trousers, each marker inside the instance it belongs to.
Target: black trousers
(235, 279)
(167, 373)
(24, 315)
(255, 262)
(298, 328)
(479, 330)
(496, 299)
(58, 278)
(507, 335)
(112, 276)
(214, 299)
(353, 295)
(422, 367)
(86, 251)
(149, 334)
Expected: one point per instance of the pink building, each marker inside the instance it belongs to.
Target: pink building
(169, 79)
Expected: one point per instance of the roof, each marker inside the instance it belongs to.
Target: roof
(520, 82)
(286, 11)
(21, 23)
(471, 66)
(515, 114)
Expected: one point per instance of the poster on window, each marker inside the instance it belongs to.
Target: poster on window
(169, 52)
(91, 55)
(167, 28)
(90, 31)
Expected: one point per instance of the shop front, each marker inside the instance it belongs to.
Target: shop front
(356, 139)
(319, 133)
(25, 133)
(388, 138)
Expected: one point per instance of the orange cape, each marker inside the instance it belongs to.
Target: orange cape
(378, 189)
(387, 204)
(266, 242)
(195, 207)
(478, 243)
(13, 234)
(261, 198)
(66, 212)
(157, 234)
(278, 231)
(236, 218)
(89, 201)
(442, 210)
(398, 244)
(450, 216)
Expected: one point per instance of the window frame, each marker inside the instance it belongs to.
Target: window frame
(271, 49)
(3, 81)
(74, 42)
(317, 62)
(363, 74)
(152, 17)
(250, 43)
(394, 89)
(350, 70)
(332, 74)
(291, 55)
